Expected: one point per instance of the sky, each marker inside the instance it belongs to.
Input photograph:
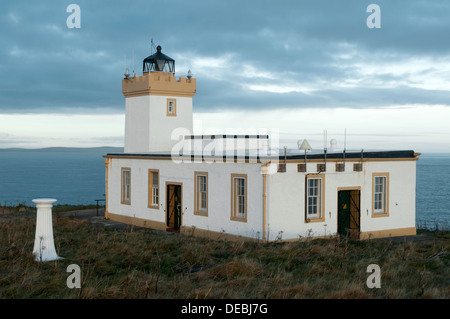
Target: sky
(294, 67)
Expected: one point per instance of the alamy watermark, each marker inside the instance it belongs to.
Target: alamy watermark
(248, 145)
(374, 280)
(374, 19)
(73, 280)
(74, 19)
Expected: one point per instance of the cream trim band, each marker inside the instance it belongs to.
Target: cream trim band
(198, 232)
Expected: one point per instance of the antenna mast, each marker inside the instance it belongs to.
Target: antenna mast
(345, 143)
(152, 46)
(134, 73)
(325, 147)
(127, 74)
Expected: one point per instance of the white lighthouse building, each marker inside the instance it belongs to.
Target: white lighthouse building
(194, 184)
(156, 103)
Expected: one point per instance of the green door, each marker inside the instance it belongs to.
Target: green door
(349, 213)
(343, 212)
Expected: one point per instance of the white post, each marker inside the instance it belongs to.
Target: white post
(44, 246)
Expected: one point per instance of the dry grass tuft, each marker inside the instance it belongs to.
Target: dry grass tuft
(297, 291)
(351, 292)
(236, 268)
(141, 263)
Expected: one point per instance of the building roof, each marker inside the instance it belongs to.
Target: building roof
(157, 56)
(158, 62)
(394, 154)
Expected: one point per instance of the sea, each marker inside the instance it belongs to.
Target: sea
(76, 176)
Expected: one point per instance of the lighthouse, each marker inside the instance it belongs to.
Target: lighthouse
(156, 103)
(368, 194)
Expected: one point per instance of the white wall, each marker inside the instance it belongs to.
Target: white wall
(161, 125)
(219, 189)
(286, 199)
(147, 126)
(137, 113)
(402, 196)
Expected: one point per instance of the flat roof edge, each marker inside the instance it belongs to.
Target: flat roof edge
(407, 154)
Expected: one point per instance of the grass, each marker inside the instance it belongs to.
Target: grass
(21, 207)
(142, 263)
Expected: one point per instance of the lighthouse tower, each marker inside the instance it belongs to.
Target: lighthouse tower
(156, 103)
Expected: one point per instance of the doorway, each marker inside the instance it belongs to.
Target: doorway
(349, 213)
(174, 206)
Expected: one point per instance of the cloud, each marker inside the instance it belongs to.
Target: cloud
(251, 54)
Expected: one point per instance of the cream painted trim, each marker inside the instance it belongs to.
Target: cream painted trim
(198, 232)
(159, 93)
(214, 235)
(174, 113)
(150, 189)
(233, 198)
(135, 221)
(264, 171)
(139, 157)
(410, 231)
(322, 205)
(158, 83)
(386, 212)
(107, 161)
(122, 195)
(197, 194)
(351, 188)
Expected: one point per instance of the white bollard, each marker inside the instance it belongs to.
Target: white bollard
(44, 246)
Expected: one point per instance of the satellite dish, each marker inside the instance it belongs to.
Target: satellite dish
(189, 74)
(333, 144)
(305, 145)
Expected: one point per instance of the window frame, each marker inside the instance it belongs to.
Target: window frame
(234, 193)
(385, 200)
(320, 216)
(123, 191)
(174, 113)
(197, 198)
(151, 204)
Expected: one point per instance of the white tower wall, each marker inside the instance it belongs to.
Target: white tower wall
(148, 122)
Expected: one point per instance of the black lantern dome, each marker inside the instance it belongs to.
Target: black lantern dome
(158, 62)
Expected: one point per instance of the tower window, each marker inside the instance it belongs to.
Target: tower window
(171, 107)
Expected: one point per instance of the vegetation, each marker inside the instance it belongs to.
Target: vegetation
(21, 207)
(142, 263)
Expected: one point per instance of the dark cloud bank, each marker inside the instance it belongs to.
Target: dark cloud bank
(47, 67)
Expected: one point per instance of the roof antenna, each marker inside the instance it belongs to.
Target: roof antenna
(152, 46)
(345, 143)
(325, 137)
(345, 138)
(127, 72)
(134, 73)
